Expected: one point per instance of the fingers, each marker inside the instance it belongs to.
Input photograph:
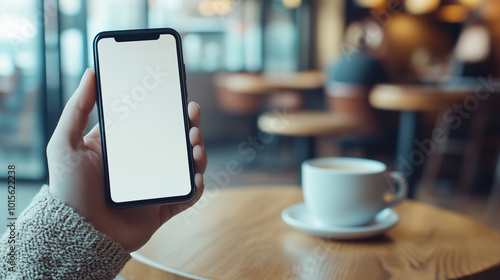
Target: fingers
(194, 113)
(199, 153)
(198, 180)
(200, 187)
(195, 137)
(168, 211)
(75, 115)
(200, 159)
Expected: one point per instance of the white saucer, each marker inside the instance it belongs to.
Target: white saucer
(298, 216)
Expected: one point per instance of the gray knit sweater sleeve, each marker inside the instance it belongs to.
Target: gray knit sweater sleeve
(52, 241)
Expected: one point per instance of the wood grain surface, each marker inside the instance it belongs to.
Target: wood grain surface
(302, 80)
(306, 123)
(401, 97)
(238, 233)
(245, 83)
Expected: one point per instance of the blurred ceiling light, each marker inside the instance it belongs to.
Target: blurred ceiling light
(222, 7)
(452, 13)
(370, 3)
(473, 44)
(210, 8)
(489, 11)
(470, 3)
(417, 7)
(206, 8)
(292, 4)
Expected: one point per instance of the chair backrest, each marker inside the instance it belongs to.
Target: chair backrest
(239, 93)
(352, 101)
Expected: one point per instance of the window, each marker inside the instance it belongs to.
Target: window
(22, 90)
(45, 46)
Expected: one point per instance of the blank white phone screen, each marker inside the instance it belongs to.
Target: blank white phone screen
(143, 115)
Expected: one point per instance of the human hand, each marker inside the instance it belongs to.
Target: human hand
(76, 173)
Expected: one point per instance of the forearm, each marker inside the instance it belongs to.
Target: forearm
(51, 241)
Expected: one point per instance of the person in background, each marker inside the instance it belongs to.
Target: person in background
(351, 77)
(358, 68)
(69, 231)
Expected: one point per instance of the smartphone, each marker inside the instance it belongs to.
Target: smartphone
(142, 107)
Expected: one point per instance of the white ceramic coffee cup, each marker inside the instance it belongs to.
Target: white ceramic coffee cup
(351, 193)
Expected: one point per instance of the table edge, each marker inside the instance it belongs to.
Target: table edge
(142, 259)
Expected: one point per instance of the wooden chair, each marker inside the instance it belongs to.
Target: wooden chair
(240, 93)
(412, 101)
(241, 97)
(469, 146)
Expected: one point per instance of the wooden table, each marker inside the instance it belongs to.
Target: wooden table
(308, 123)
(303, 80)
(252, 83)
(243, 93)
(410, 100)
(237, 233)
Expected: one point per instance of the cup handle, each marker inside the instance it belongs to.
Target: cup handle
(402, 190)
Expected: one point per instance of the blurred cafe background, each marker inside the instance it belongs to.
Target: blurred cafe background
(411, 83)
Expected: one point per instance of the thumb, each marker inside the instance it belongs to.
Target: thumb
(75, 116)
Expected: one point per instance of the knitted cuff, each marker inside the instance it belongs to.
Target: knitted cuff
(54, 242)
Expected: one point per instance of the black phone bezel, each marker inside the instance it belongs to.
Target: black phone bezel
(140, 35)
